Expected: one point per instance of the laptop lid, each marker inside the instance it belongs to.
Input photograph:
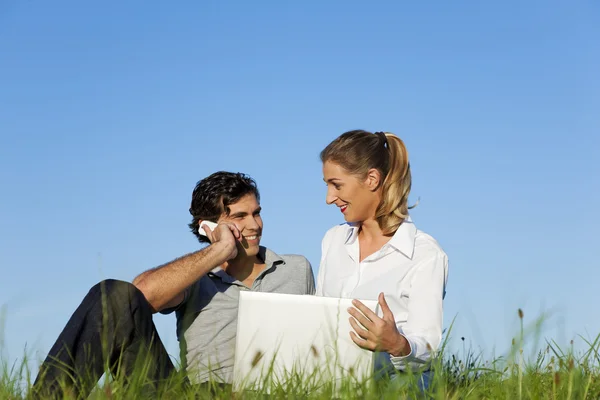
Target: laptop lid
(283, 336)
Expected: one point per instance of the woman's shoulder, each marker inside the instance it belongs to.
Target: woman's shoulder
(339, 230)
(427, 246)
(337, 233)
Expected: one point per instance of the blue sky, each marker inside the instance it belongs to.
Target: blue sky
(111, 112)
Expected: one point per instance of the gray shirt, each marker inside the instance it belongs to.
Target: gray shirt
(207, 318)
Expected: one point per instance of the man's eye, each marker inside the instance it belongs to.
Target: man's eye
(337, 187)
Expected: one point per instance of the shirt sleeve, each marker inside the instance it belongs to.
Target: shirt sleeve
(310, 279)
(321, 273)
(186, 296)
(423, 329)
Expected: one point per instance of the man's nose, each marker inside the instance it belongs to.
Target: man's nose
(252, 223)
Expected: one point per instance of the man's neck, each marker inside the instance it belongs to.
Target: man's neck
(244, 267)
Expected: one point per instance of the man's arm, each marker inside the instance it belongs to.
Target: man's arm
(164, 286)
(310, 279)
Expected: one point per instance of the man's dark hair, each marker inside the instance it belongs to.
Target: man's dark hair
(213, 195)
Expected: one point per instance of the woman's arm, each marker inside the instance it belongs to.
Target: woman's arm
(423, 330)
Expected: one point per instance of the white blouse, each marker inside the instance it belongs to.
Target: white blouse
(411, 270)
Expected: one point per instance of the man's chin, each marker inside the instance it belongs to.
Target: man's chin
(249, 249)
(252, 250)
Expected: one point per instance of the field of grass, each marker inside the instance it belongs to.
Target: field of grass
(552, 373)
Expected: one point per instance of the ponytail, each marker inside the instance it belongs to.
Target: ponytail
(393, 209)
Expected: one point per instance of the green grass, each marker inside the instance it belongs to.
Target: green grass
(551, 373)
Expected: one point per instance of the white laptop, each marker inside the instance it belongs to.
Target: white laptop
(280, 336)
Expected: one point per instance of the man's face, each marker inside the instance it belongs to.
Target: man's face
(245, 214)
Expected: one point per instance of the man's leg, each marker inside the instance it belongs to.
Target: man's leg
(111, 327)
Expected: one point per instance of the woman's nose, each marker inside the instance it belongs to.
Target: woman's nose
(330, 198)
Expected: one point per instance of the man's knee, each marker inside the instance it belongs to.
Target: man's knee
(111, 286)
(116, 291)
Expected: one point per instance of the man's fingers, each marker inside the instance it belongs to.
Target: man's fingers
(235, 231)
(226, 228)
(208, 232)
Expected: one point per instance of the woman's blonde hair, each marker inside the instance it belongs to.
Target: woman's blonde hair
(359, 151)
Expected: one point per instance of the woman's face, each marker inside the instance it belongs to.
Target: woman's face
(357, 199)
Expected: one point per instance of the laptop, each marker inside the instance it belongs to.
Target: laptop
(281, 337)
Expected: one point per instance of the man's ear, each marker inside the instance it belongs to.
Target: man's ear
(373, 180)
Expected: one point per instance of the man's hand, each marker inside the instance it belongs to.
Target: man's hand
(225, 235)
(381, 334)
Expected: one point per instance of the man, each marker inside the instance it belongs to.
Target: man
(113, 325)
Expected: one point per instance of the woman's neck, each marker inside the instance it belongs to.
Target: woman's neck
(370, 230)
(370, 239)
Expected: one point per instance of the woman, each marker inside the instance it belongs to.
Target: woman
(379, 253)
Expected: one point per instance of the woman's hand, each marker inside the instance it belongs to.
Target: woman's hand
(378, 334)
